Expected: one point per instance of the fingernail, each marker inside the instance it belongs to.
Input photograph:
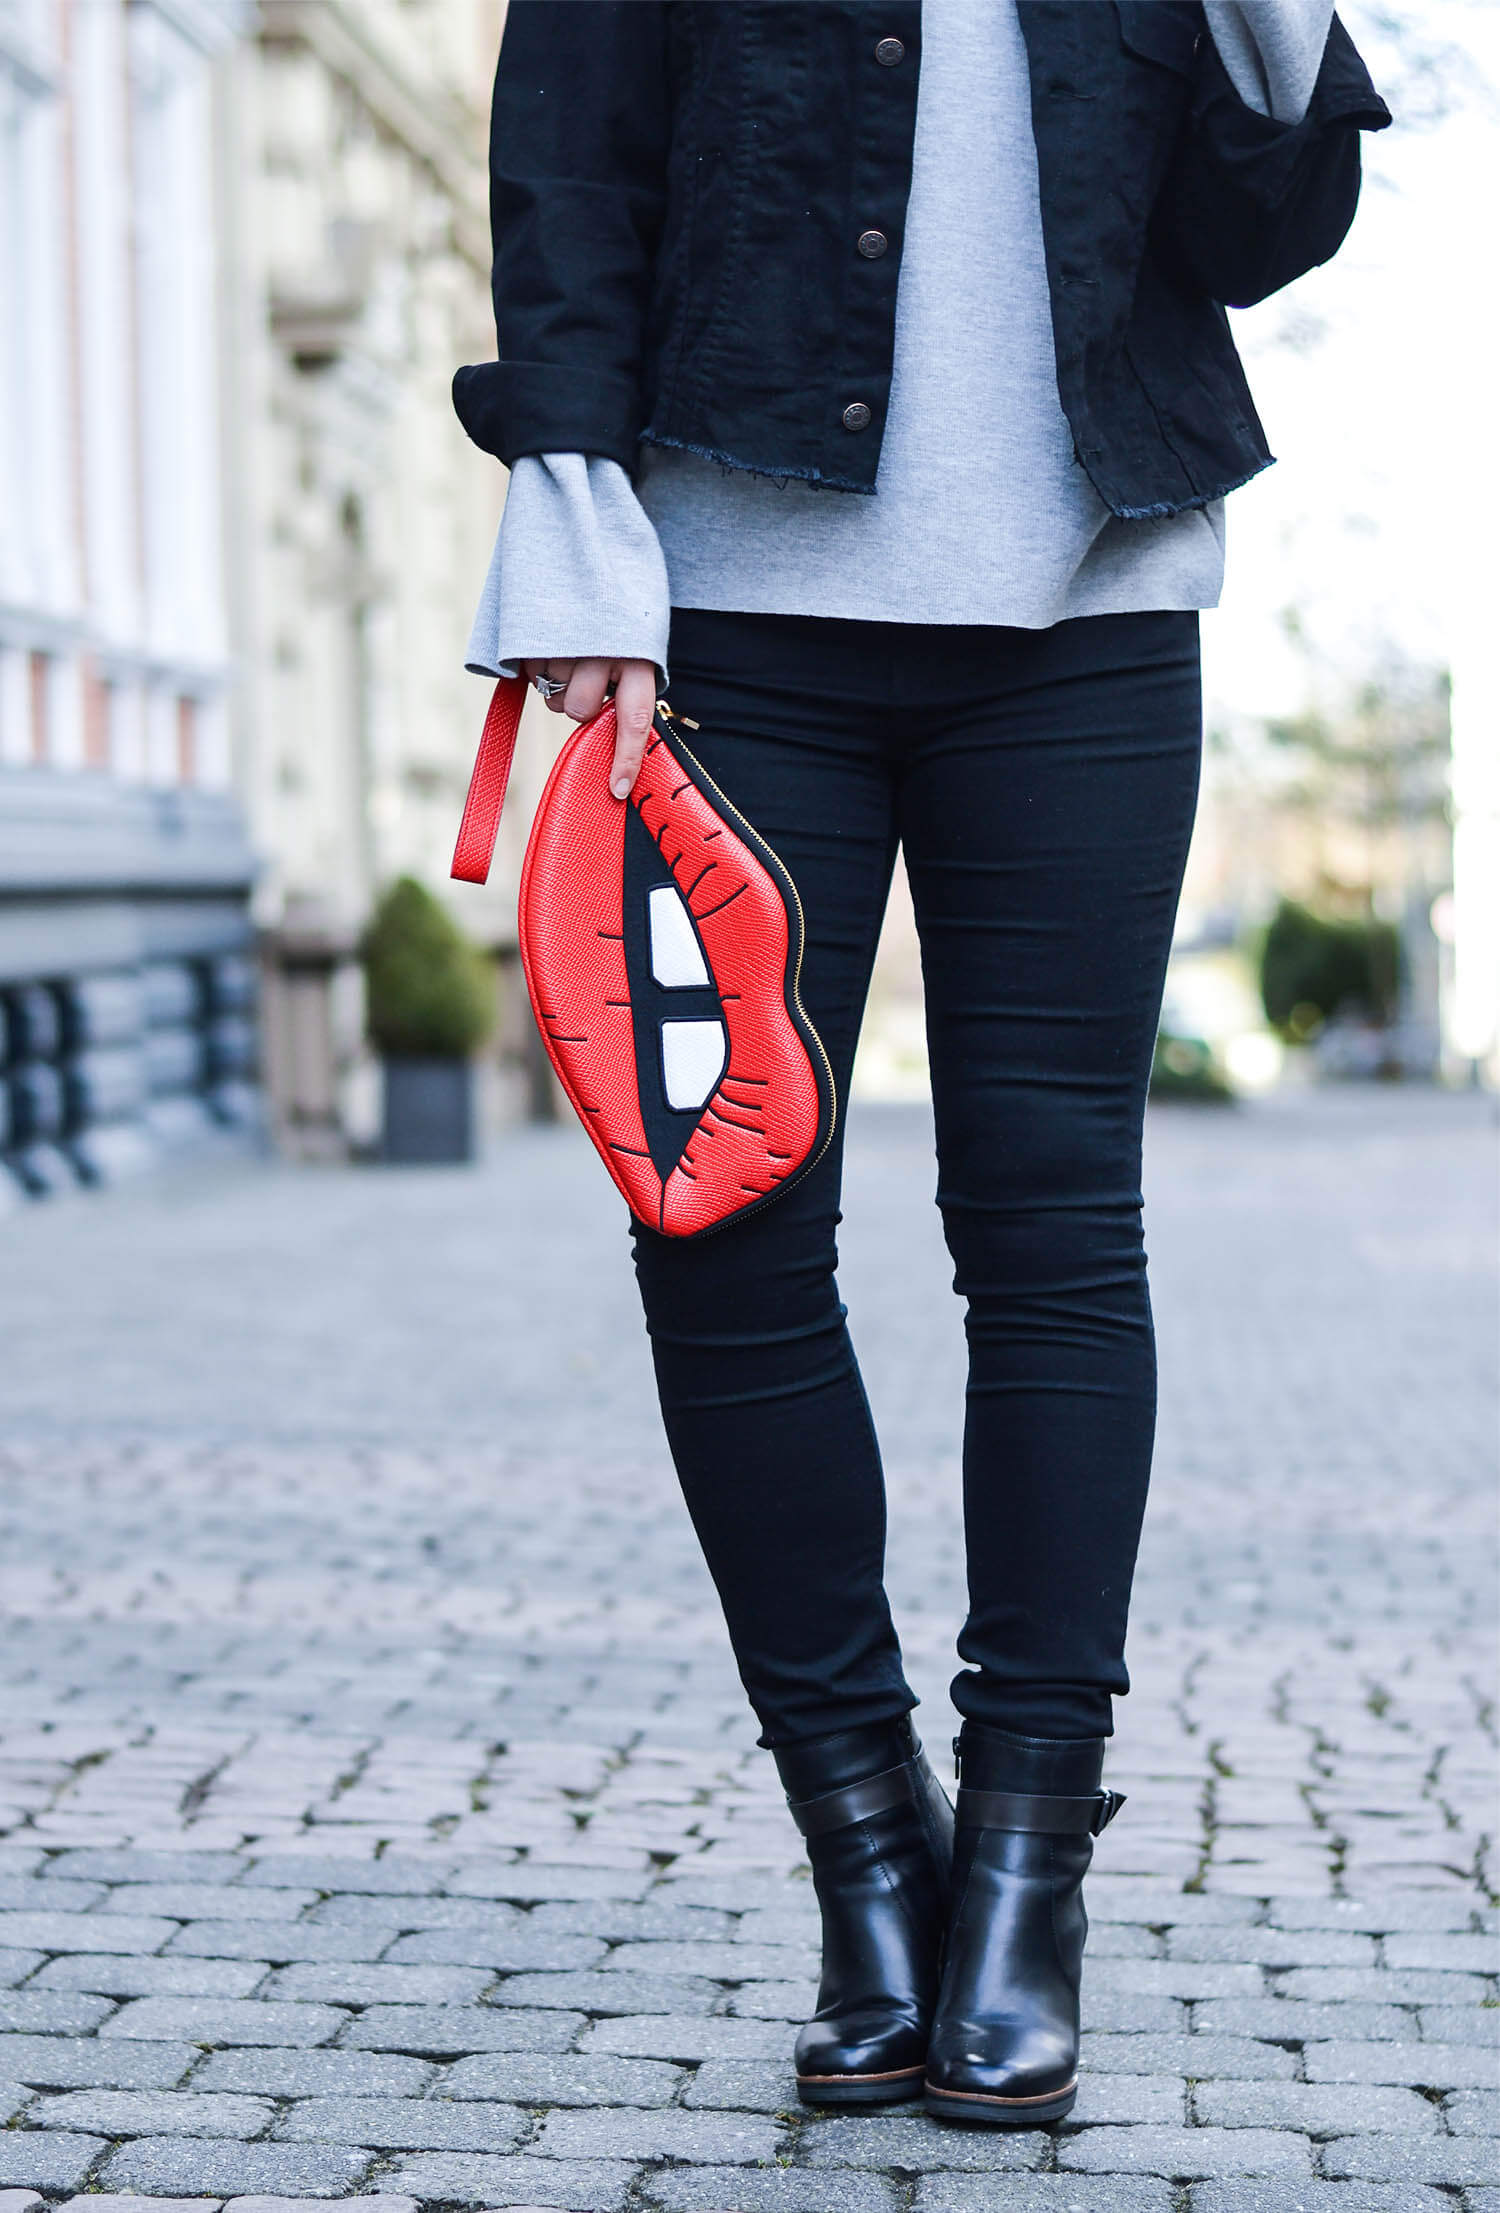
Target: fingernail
(621, 787)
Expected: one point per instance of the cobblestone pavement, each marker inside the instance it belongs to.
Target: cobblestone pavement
(379, 1815)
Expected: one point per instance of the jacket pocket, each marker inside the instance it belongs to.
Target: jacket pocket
(1163, 31)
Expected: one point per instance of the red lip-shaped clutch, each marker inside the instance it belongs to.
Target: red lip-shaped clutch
(661, 941)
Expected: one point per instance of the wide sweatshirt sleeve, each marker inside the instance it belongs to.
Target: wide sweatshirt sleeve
(579, 131)
(1271, 49)
(577, 570)
(1257, 194)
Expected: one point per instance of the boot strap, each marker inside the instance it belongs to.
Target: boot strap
(1007, 1809)
(840, 1809)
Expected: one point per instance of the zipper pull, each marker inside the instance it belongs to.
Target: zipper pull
(958, 1765)
(672, 716)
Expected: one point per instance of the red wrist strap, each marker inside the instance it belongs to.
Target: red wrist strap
(497, 746)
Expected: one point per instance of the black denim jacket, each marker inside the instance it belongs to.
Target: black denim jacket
(679, 190)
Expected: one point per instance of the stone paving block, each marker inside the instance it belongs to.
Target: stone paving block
(766, 2190)
(226, 2021)
(1289, 2019)
(24, 1893)
(1432, 1949)
(1385, 1985)
(603, 1993)
(46, 2162)
(914, 2141)
(92, 1864)
(202, 1902)
(1459, 2025)
(20, 2201)
(1317, 2197)
(1173, 1978)
(13, 2095)
(511, 1949)
(456, 2178)
(1199, 2057)
(1045, 2194)
(721, 1961)
(110, 2201)
(449, 2032)
(1109, 2097)
(709, 2139)
(1436, 2159)
(536, 2079)
(619, 1920)
(153, 1976)
(1474, 2112)
(313, 2074)
(391, 1873)
(1133, 2012)
(274, 1942)
(51, 2013)
(83, 1932)
(378, 1985)
(670, 2036)
(404, 2124)
(16, 1966)
(378, 2202)
(1395, 1909)
(773, 2001)
(1318, 2108)
(1423, 2066)
(159, 2165)
(154, 2113)
(746, 2085)
(1162, 1903)
(394, 1914)
(61, 2063)
(1272, 1947)
(535, 1879)
(1180, 2154)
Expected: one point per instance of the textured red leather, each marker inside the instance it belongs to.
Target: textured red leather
(481, 818)
(771, 1113)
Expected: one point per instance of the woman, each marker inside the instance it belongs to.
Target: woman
(869, 363)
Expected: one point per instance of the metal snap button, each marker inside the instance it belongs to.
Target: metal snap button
(889, 52)
(872, 244)
(856, 416)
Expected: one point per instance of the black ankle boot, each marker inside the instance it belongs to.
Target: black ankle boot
(1004, 2045)
(879, 1833)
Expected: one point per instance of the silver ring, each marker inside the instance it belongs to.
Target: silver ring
(549, 686)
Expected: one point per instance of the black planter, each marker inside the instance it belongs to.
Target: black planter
(429, 1111)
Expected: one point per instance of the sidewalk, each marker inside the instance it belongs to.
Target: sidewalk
(379, 1812)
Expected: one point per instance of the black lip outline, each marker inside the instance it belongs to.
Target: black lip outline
(817, 1052)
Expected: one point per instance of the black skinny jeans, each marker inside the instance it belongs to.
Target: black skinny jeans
(1042, 787)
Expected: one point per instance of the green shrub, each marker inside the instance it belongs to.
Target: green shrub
(1312, 969)
(428, 991)
(1184, 1068)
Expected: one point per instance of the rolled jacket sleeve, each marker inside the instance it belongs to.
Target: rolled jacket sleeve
(1250, 202)
(579, 130)
(577, 571)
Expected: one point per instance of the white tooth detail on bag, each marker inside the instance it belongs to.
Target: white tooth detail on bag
(677, 960)
(692, 1061)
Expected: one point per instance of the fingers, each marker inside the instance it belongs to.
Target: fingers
(588, 687)
(562, 673)
(635, 704)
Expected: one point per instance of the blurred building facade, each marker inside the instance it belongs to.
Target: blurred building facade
(242, 248)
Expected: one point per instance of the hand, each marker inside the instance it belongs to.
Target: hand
(588, 685)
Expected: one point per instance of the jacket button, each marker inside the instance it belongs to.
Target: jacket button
(856, 416)
(872, 244)
(889, 52)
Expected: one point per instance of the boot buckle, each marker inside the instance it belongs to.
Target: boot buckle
(1110, 1802)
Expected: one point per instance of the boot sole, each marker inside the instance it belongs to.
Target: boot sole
(992, 2112)
(902, 2086)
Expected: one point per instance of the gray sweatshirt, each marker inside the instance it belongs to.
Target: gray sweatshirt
(980, 514)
